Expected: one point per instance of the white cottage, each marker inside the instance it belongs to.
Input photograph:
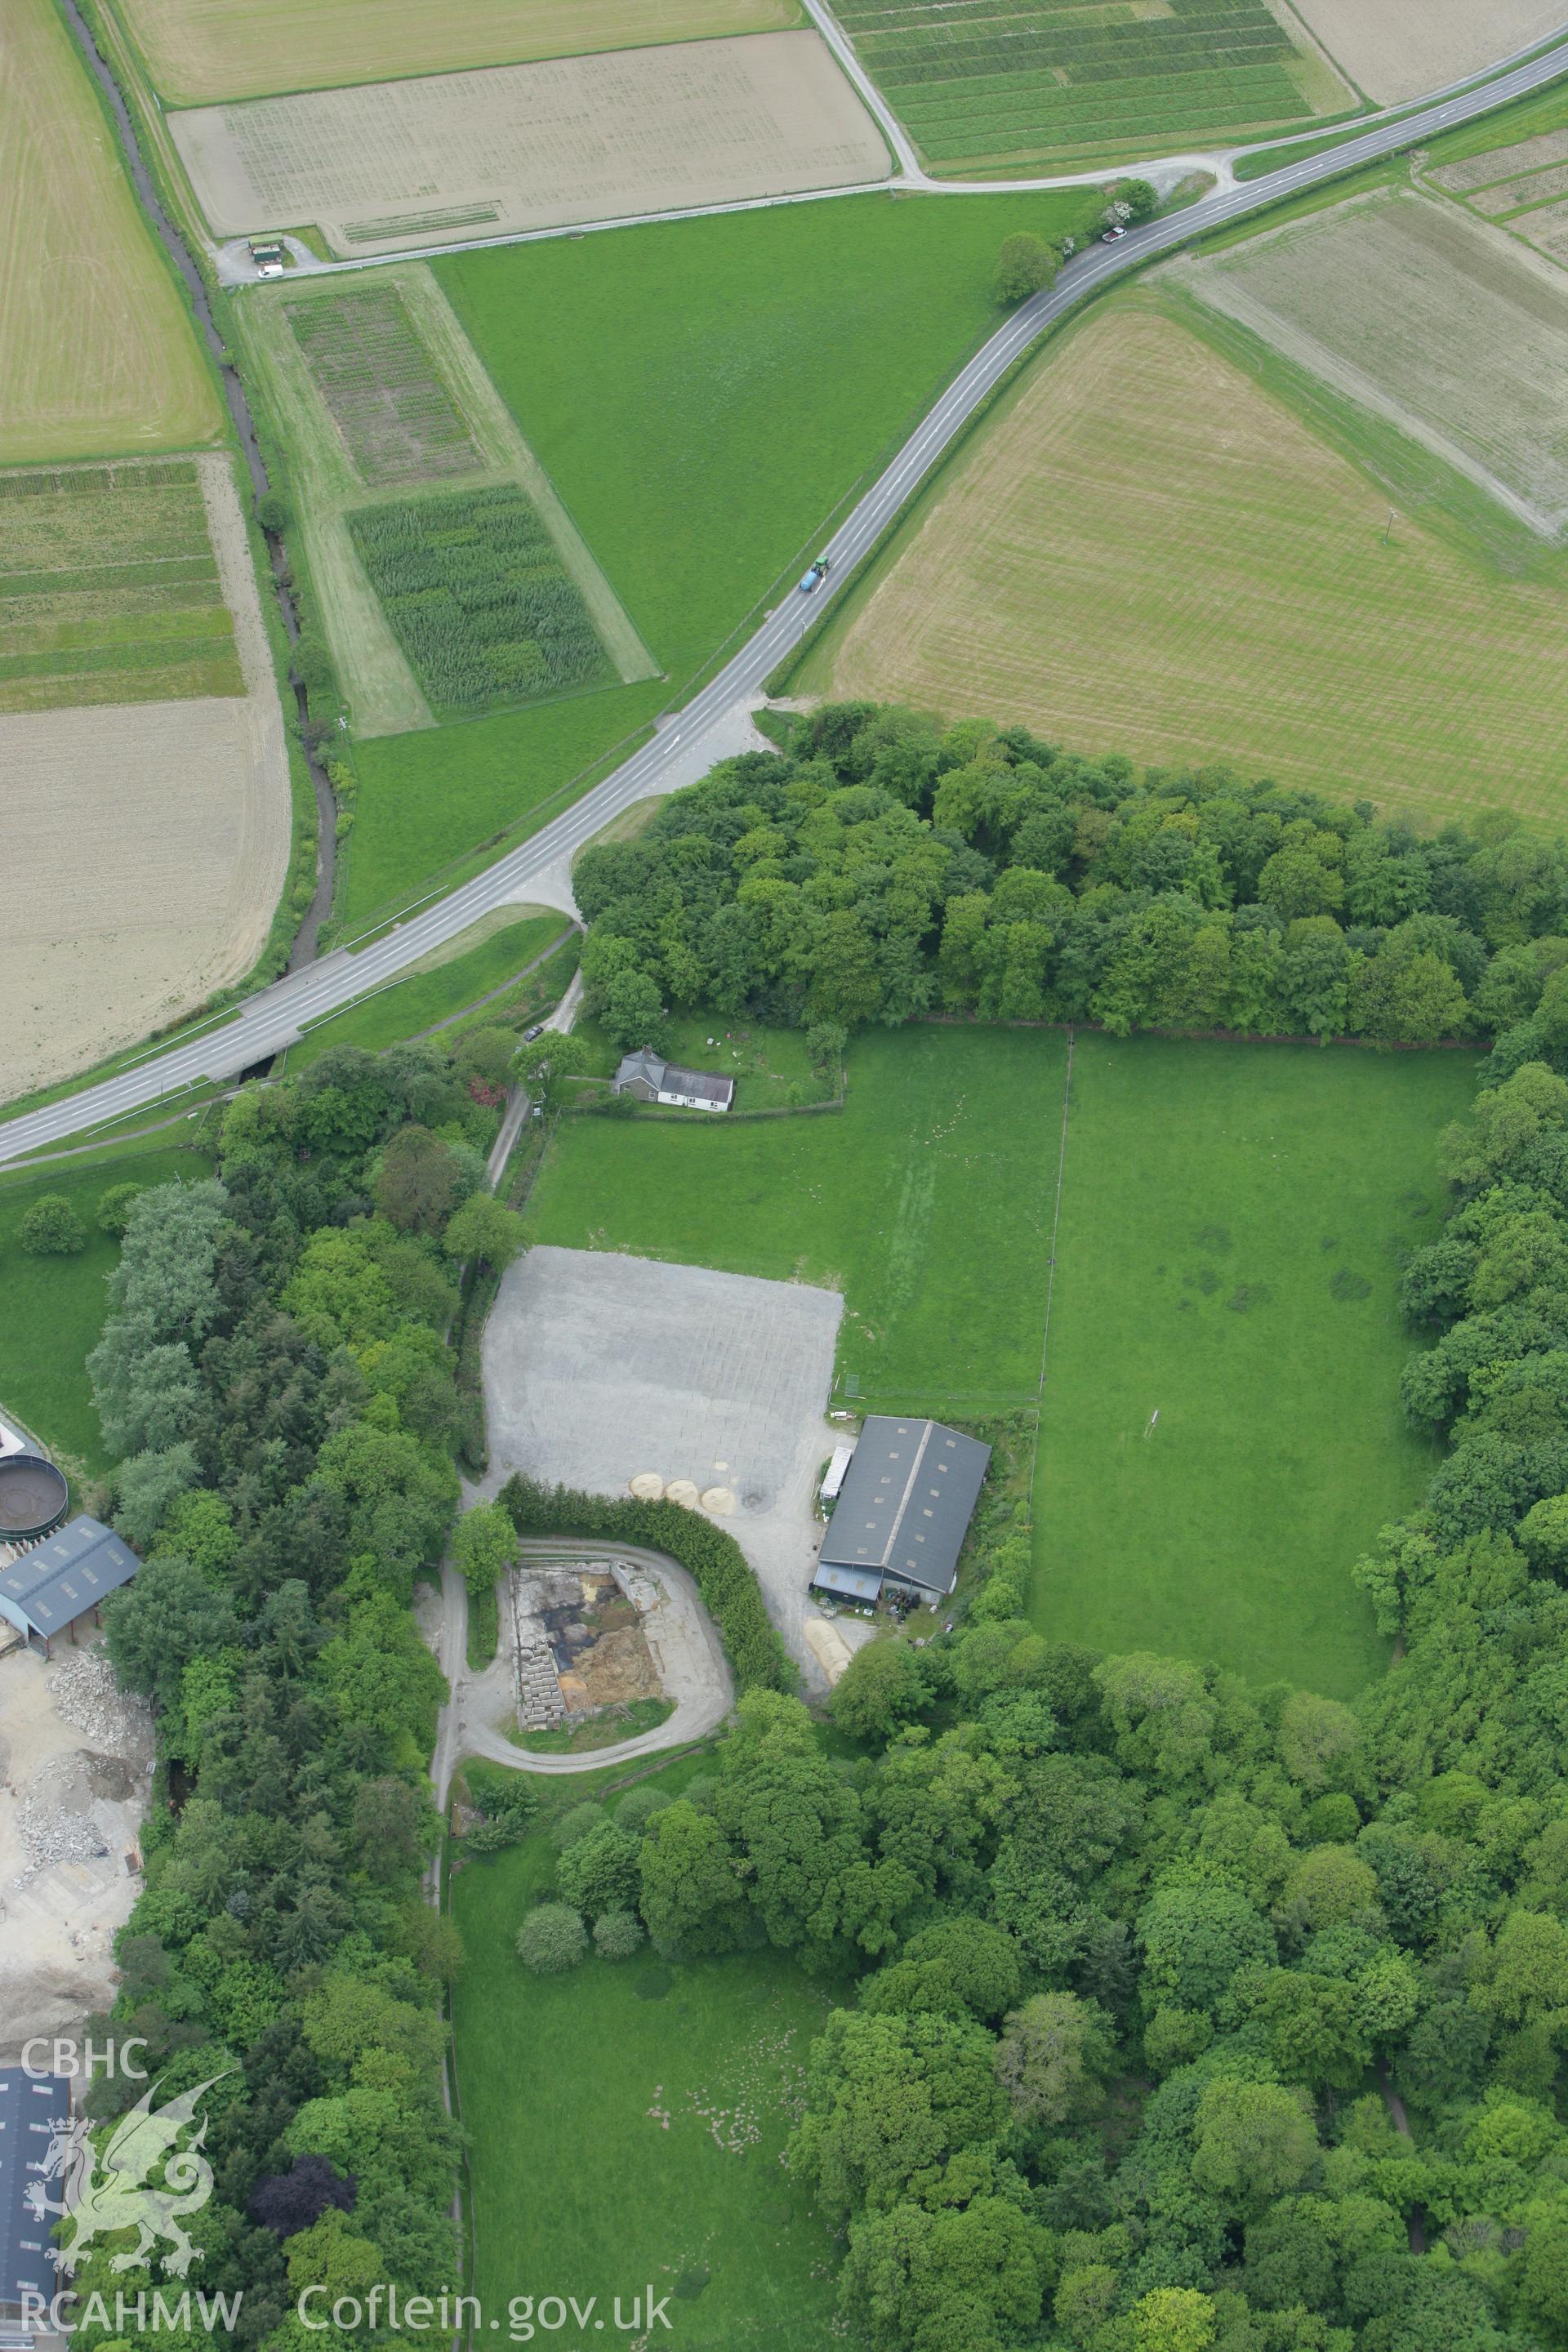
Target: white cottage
(650, 1078)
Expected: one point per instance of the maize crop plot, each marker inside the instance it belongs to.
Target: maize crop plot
(980, 81)
(397, 418)
(478, 599)
(109, 590)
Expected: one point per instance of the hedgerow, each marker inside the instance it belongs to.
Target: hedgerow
(715, 1560)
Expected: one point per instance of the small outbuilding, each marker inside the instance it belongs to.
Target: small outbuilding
(45, 1590)
(903, 1509)
(833, 1477)
(33, 2109)
(649, 1077)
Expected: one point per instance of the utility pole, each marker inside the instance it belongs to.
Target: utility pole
(1388, 526)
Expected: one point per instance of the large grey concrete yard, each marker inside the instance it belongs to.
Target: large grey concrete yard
(600, 1369)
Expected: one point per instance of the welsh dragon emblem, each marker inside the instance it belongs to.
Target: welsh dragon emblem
(110, 2189)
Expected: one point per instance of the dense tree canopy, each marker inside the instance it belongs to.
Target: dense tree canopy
(275, 1377)
(1170, 2015)
(884, 869)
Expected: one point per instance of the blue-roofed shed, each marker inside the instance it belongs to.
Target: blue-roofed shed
(32, 2109)
(44, 1590)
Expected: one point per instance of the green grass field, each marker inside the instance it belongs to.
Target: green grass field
(581, 2187)
(763, 362)
(109, 590)
(1222, 1208)
(52, 1309)
(1232, 1218)
(936, 1178)
(427, 997)
(427, 797)
(1006, 80)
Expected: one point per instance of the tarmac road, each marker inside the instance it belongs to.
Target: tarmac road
(272, 1018)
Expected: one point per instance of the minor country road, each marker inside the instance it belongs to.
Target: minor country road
(272, 1017)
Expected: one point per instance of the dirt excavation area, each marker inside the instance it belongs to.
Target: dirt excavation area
(148, 846)
(626, 1377)
(1402, 48)
(75, 1760)
(579, 1642)
(520, 147)
(599, 1657)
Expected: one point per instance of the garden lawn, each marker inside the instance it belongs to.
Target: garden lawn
(1233, 1220)
(580, 2186)
(52, 1309)
(427, 997)
(767, 1065)
(927, 1200)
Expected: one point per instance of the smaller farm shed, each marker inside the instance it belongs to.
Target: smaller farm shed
(904, 1507)
(43, 1592)
(33, 2107)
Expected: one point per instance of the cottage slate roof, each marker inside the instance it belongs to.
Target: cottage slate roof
(673, 1077)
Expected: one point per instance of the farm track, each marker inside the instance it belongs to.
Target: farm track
(275, 1014)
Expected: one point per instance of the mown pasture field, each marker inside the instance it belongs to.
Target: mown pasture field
(196, 50)
(55, 1306)
(1440, 321)
(109, 590)
(99, 357)
(1145, 551)
(457, 155)
(764, 364)
(683, 2078)
(927, 1200)
(1000, 82)
(1225, 1256)
(1232, 1224)
(478, 599)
